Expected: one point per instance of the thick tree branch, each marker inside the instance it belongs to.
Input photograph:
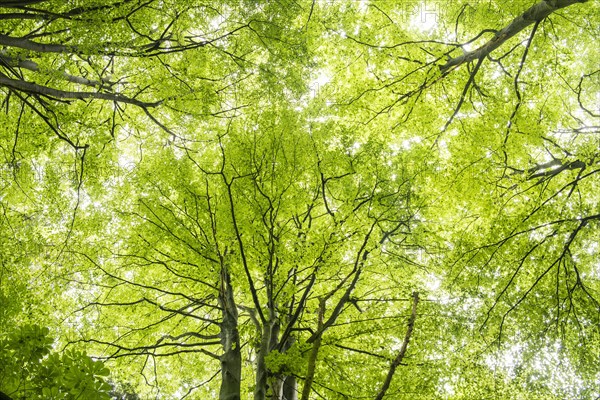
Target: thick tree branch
(34, 88)
(536, 13)
(552, 168)
(30, 45)
(19, 3)
(30, 65)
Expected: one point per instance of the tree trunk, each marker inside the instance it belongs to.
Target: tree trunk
(260, 390)
(267, 385)
(276, 387)
(290, 388)
(283, 387)
(231, 360)
(312, 358)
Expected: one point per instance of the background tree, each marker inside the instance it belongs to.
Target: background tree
(250, 240)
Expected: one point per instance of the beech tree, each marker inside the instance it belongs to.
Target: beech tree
(386, 200)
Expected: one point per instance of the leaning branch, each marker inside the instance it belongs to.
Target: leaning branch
(34, 88)
(553, 168)
(30, 45)
(535, 13)
(402, 353)
(356, 271)
(30, 65)
(19, 3)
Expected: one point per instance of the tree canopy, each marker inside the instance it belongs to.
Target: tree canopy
(299, 200)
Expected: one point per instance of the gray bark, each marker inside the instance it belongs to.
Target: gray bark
(260, 390)
(290, 388)
(535, 13)
(34, 88)
(282, 387)
(30, 65)
(314, 352)
(231, 360)
(289, 384)
(267, 384)
(30, 45)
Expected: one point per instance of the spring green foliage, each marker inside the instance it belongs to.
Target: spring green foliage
(30, 369)
(243, 199)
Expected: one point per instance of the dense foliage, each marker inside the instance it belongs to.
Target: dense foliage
(299, 200)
